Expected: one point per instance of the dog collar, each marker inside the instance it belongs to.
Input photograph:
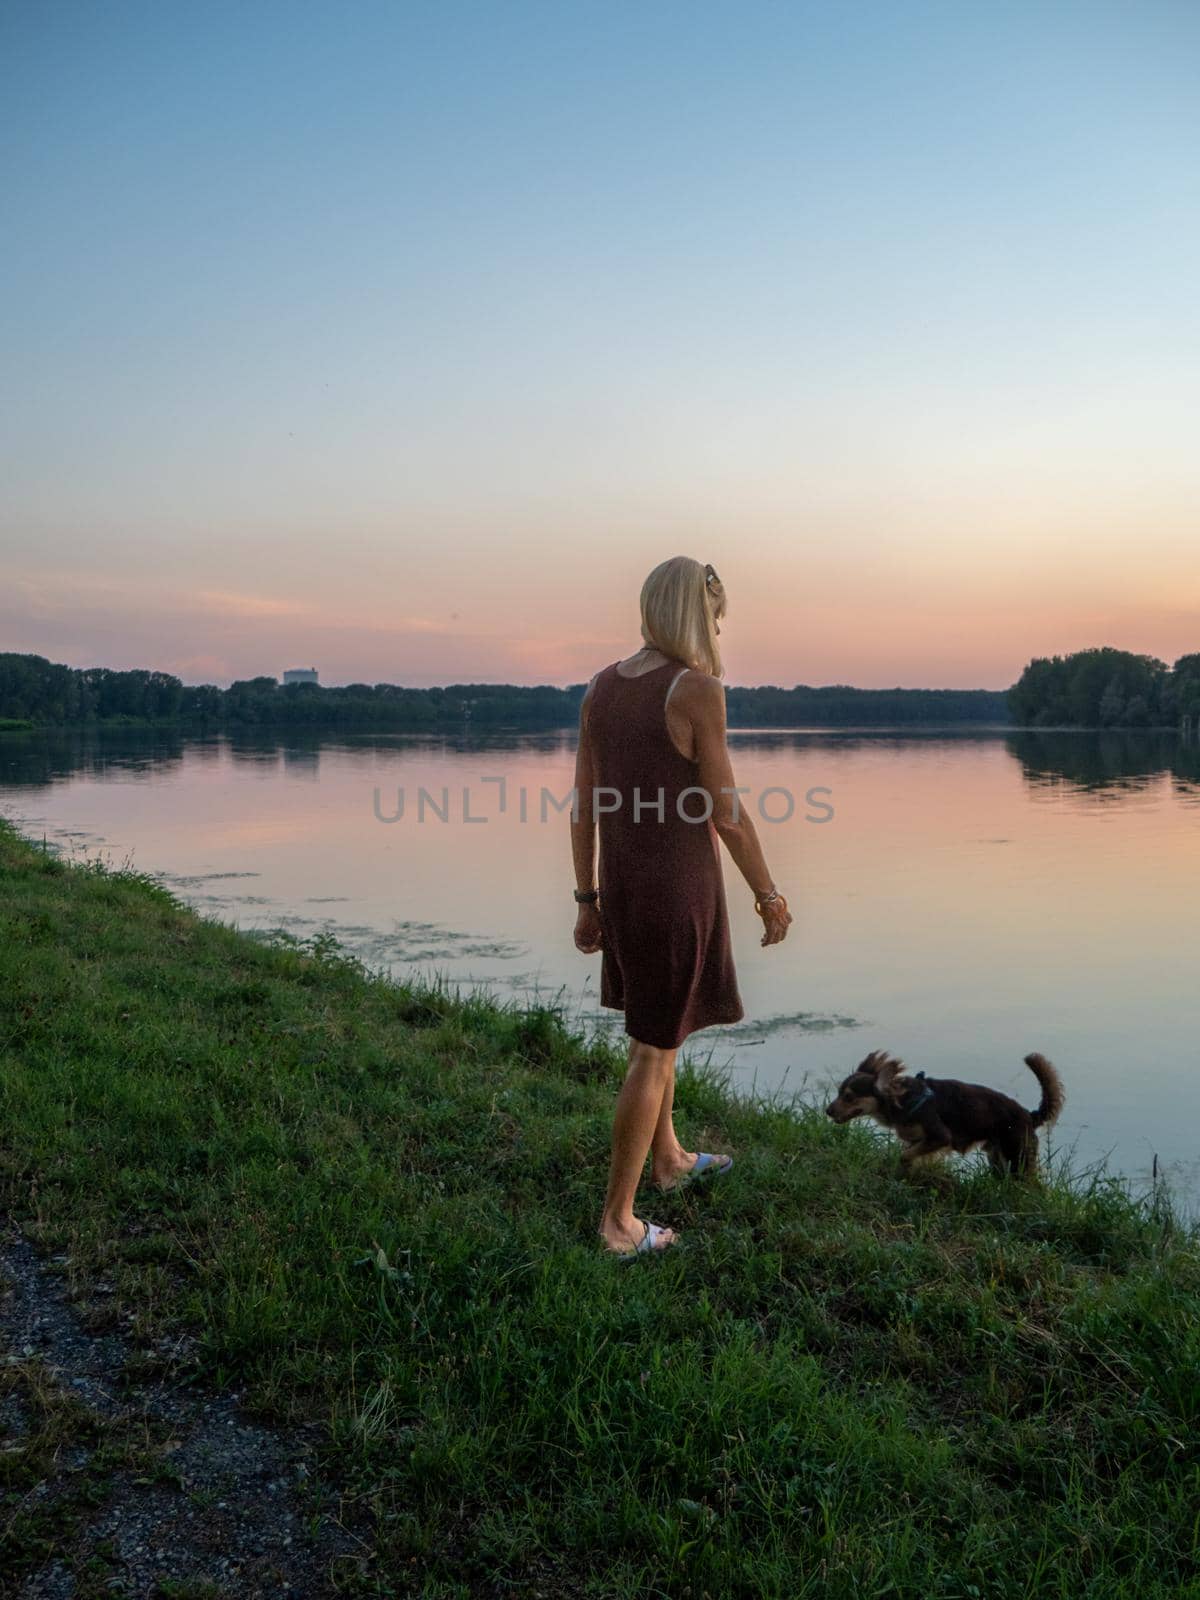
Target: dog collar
(924, 1093)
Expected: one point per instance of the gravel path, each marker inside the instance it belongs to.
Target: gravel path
(112, 1483)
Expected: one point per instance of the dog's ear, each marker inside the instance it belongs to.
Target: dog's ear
(889, 1079)
(871, 1065)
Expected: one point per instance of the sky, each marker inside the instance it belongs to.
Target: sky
(403, 340)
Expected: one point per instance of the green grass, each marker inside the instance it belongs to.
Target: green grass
(376, 1206)
(15, 724)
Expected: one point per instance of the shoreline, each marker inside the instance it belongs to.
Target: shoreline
(457, 729)
(369, 1207)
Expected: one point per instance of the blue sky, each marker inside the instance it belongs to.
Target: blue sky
(406, 339)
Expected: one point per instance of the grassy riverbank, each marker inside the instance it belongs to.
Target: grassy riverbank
(374, 1206)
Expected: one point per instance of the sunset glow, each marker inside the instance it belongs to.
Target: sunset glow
(405, 347)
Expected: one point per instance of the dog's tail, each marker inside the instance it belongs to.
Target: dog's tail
(1053, 1094)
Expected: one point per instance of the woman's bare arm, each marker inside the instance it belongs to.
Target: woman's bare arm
(583, 832)
(583, 813)
(703, 699)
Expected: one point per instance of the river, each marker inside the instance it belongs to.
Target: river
(961, 896)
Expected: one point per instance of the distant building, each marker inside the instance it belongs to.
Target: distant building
(300, 675)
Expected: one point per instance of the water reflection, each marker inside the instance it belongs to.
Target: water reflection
(1110, 764)
(1106, 764)
(1115, 762)
(35, 760)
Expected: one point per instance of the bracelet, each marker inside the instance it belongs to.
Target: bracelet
(767, 899)
(587, 897)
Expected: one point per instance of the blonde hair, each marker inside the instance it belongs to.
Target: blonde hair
(682, 601)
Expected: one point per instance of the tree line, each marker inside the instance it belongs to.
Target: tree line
(1103, 688)
(1106, 688)
(840, 706)
(49, 694)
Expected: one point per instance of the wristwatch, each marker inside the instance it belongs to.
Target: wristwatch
(587, 897)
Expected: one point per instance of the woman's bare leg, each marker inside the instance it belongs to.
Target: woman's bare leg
(668, 1159)
(639, 1106)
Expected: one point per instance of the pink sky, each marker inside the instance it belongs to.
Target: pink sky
(871, 616)
(405, 350)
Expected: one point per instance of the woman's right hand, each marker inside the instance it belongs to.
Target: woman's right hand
(588, 935)
(777, 919)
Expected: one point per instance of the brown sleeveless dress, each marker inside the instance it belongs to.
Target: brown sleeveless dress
(666, 957)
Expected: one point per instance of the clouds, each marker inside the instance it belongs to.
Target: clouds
(216, 635)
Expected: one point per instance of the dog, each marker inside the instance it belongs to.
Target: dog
(934, 1116)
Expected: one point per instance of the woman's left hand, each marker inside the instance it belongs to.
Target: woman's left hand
(777, 919)
(587, 930)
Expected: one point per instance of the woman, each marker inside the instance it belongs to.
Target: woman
(653, 774)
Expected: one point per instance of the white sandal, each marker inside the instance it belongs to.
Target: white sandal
(648, 1245)
(704, 1164)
